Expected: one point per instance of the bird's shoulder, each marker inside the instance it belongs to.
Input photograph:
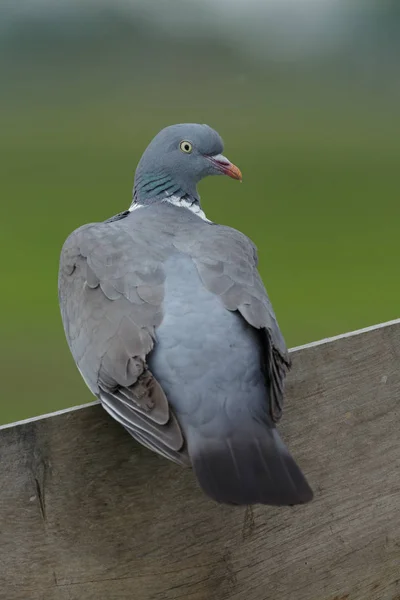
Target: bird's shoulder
(71, 248)
(113, 248)
(235, 239)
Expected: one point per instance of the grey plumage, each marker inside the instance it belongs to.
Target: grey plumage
(171, 328)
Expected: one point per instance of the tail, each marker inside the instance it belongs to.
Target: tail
(255, 468)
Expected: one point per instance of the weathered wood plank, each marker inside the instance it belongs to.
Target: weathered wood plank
(86, 514)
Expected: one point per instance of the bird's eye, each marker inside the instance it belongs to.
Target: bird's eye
(186, 147)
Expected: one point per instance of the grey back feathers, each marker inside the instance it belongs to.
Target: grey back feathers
(172, 329)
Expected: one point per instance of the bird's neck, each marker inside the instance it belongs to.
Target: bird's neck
(158, 187)
(152, 188)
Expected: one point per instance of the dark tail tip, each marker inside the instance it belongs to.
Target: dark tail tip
(250, 470)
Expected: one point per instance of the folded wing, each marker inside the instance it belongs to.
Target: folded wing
(111, 291)
(227, 264)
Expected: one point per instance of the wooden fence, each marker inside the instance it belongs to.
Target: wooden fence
(86, 514)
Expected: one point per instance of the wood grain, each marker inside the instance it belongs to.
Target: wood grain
(86, 514)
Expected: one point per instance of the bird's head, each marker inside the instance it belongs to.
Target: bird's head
(177, 159)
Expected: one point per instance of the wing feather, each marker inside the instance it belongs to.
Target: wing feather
(111, 292)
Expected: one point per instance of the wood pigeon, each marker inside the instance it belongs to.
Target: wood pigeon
(171, 327)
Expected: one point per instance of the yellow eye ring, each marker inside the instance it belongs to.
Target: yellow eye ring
(186, 147)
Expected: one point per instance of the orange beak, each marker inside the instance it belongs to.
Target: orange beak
(233, 171)
(226, 167)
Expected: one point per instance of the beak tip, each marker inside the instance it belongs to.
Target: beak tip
(234, 172)
(226, 167)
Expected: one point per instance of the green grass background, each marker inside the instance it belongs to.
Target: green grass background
(320, 198)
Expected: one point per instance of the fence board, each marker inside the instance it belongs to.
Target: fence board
(86, 514)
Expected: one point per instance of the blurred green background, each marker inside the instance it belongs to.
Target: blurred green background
(306, 96)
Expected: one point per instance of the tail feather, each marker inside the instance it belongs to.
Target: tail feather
(249, 469)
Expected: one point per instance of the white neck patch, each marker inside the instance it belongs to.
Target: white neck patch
(181, 203)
